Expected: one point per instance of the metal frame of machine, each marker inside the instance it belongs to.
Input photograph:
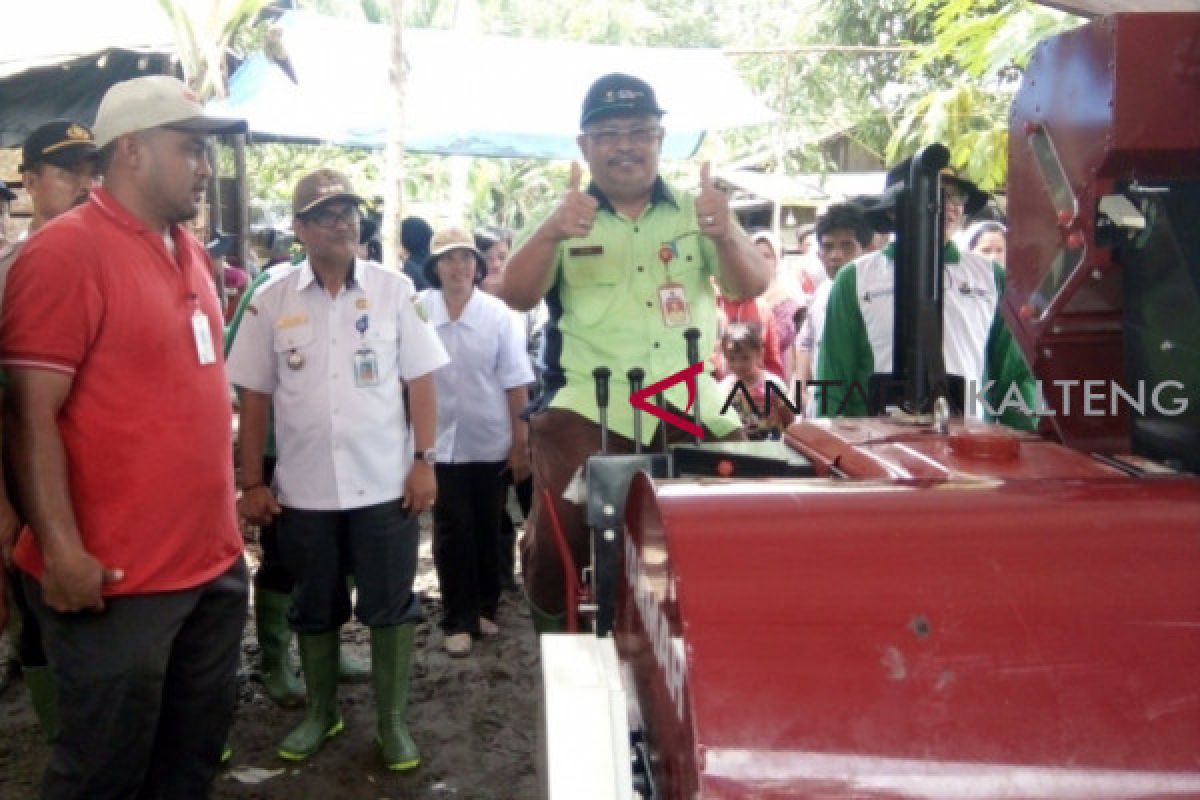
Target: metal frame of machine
(946, 609)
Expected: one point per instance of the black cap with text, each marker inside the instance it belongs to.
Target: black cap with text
(617, 94)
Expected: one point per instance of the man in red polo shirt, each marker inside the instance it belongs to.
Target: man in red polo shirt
(121, 441)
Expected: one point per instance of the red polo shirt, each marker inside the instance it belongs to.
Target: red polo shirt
(146, 427)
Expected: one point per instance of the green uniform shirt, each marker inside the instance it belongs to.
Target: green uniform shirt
(605, 309)
(977, 344)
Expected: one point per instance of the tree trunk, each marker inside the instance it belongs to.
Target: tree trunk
(393, 181)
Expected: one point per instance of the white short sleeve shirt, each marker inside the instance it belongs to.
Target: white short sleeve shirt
(487, 357)
(334, 367)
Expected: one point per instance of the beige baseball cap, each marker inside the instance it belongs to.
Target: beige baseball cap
(321, 186)
(155, 101)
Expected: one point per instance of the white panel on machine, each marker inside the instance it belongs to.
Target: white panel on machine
(586, 720)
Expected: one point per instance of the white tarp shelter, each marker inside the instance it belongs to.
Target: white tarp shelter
(473, 95)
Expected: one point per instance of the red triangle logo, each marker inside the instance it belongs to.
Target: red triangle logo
(641, 399)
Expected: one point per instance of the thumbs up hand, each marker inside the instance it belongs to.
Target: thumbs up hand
(576, 210)
(712, 207)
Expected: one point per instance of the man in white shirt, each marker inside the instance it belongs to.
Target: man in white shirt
(328, 342)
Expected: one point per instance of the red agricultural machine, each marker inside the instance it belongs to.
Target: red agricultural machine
(938, 607)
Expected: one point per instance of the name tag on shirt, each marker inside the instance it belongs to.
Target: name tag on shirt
(366, 368)
(673, 302)
(589, 250)
(202, 333)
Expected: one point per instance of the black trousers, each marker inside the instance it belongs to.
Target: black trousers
(146, 690)
(30, 651)
(376, 544)
(466, 527)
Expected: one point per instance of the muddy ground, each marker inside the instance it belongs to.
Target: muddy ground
(475, 720)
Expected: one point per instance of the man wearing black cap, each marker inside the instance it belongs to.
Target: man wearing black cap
(977, 345)
(120, 403)
(58, 164)
(626, 266)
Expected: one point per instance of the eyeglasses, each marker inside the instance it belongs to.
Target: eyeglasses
(331, 218)
(608, 137)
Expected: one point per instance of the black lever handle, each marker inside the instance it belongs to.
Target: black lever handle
(602, 374)
(693, 355)
(635, 376)
(693, 345)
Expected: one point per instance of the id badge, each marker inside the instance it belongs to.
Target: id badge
(673, 302)
(202, 333)
(366, 368)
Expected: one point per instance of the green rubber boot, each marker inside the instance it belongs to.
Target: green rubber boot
(391, 656)
(278, 675)
(546, 623)
(43, 693)
(319, 656)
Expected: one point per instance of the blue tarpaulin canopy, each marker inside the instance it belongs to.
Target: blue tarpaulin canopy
(472, 95)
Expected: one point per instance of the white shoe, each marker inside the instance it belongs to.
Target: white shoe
(487, 627)
(458, 644)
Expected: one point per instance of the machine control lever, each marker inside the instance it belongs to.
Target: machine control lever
(693, 356)
(636, 376)
(601, 376)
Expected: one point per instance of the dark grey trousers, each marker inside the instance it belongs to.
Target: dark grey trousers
(146, 689)
(376, 545)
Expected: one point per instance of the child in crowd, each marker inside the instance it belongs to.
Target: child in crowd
(742, 347)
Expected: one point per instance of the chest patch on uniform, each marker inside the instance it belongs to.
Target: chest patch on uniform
(293, 321)
(589, 250)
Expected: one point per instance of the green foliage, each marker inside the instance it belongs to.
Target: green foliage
(981, 46)
(274, 168)
(202, 39)
(964, 118)
(512, 192)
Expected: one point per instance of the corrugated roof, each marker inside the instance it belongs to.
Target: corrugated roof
(39, 33)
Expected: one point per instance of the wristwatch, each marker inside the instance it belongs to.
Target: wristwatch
(429, 455)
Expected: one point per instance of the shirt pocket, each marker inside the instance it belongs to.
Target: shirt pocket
(296, 338)
(380, 338)
(590, 284)
(688, 263)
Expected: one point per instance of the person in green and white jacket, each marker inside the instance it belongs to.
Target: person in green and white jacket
(977, 344)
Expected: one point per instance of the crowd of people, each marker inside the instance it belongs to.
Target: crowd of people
(366, 396)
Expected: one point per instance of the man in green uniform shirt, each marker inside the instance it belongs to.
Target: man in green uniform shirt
(625, 266)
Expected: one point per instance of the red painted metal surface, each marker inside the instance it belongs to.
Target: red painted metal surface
(877, 448)
(1118, 100)
(980, 614)
(920, 639)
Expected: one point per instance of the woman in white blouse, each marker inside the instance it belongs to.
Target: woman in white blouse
(480, 393)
